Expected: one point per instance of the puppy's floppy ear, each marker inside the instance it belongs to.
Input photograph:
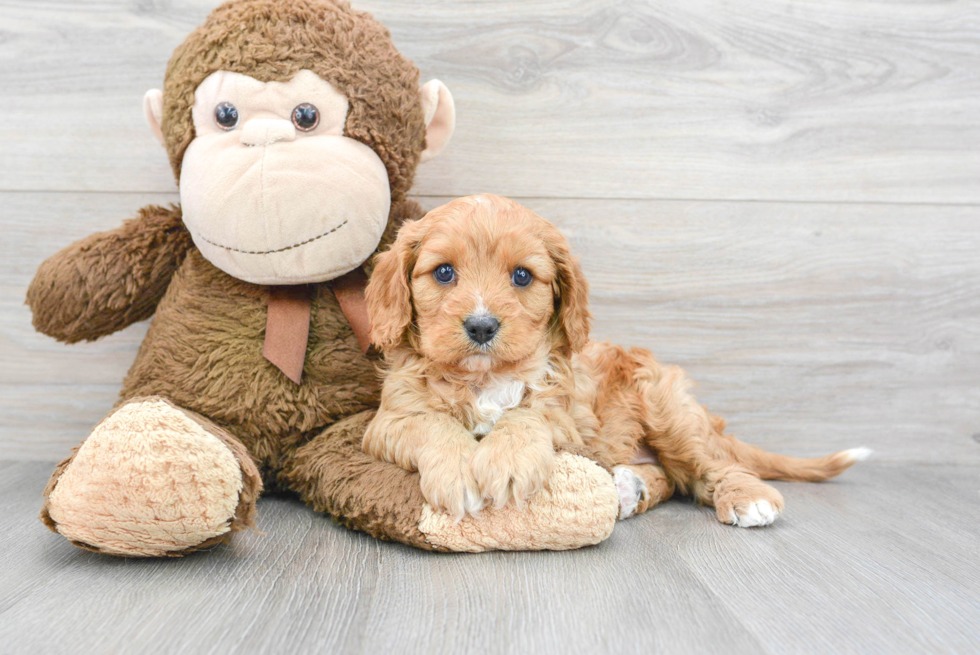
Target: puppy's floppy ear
(389, 297)
(572, 320)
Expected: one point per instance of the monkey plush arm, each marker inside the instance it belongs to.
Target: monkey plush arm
(109, 280)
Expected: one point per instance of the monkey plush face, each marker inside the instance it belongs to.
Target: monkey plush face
(293, 127)
(272, 190)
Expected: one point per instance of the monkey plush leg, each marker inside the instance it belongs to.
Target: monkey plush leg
(333, 474)
(152, 480)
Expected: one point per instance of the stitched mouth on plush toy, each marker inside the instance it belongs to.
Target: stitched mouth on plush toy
(269, 252)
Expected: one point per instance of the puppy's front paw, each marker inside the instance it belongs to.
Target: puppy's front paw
(448, 484)
(509, 467)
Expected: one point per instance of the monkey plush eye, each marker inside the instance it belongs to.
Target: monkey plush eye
(226, 116)
(521, 277)
(444, 274)
(306, 117)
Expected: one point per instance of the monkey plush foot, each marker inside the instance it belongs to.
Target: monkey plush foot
(152, 480)
(579, 508)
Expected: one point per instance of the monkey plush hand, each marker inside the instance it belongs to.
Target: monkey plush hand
(294, 128)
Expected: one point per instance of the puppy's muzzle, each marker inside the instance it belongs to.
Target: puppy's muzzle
(481, 329)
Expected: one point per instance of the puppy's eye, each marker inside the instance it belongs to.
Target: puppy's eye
(226, 116)
(444, 274)
(306, 117)
(522, 277)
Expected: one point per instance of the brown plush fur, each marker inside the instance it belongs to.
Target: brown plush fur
(70, 296)
(434, 412)
(334, 475)
(203, 351)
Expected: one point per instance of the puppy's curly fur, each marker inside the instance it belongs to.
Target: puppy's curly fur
(479, 414)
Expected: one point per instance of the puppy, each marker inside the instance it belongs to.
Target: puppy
(482, 314)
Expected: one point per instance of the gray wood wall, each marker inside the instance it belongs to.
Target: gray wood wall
(781, 196)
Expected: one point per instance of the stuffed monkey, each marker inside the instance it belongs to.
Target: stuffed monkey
(294, 128)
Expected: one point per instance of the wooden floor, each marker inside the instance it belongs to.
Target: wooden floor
(782, 197)
(883, 560)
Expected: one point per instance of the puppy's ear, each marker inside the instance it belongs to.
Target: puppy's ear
(572, 320)
(389, 297)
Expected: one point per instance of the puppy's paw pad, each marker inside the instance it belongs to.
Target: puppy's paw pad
(631, 490)
(754, 514)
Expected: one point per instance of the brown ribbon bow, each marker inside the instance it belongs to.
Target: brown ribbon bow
(287, 326)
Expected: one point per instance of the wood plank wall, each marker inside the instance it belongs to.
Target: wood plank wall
(780, 196)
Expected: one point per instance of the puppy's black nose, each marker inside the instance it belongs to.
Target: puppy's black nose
(481, 328)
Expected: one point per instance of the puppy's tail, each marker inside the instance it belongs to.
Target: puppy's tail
(683, 434)
(772, 466)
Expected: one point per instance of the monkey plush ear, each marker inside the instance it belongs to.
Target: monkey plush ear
(153, 112)
(440, 117)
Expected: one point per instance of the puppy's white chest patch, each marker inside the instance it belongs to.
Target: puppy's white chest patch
(495, 399)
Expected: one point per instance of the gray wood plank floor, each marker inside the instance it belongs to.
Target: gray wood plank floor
(883, 560)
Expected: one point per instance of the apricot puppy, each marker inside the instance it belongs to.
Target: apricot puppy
(482, 313)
